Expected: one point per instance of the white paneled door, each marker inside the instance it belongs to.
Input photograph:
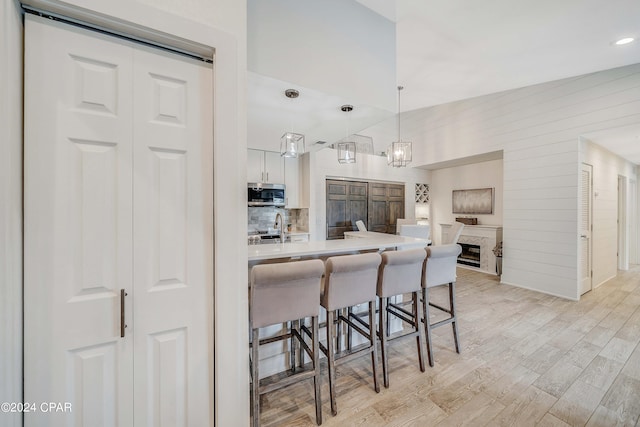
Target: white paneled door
(586, 212)
(118, 231)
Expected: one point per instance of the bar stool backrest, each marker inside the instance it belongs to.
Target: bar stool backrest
(454, 233)
(400, 272)
(441, 264)
(285, 291)
(350, 280)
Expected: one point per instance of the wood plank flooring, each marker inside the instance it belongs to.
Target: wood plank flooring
(528, 359)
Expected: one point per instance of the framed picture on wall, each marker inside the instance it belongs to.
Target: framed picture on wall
(475, 201)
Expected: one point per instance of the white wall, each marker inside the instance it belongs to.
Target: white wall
(324, 164)
(476, 175)
(10, 209)
(220, 24)
(606, 168)
(537, 128)
(337, 47)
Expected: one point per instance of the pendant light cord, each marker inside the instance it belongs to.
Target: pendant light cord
(399, 111)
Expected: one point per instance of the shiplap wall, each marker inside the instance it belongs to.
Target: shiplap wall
(538, 128)
(324, 164)
(10, 209)
(606, 168)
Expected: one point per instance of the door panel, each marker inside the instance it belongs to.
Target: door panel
(78, 202)
(346, 204)
(172, 219)
(386, 205)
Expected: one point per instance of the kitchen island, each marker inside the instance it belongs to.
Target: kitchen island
(324, 248)
(275, 356)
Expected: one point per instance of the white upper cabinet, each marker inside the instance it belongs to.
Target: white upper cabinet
(265, 166)
(296, 178)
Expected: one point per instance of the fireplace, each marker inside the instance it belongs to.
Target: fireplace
(470, 255)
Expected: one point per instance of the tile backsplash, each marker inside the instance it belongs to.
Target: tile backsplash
(262, 218)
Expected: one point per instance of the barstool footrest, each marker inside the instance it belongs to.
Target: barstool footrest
(446, 310)
(284, 382)
(442, 322)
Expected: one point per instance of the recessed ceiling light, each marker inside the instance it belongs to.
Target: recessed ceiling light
(625, 40)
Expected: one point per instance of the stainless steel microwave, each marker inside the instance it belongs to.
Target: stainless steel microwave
(261, 194)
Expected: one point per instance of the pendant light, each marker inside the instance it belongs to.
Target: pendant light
(291, 143)
(399, 152)
(347, 148)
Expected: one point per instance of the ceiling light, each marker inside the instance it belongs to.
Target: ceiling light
(399, 152)
(346, 147)
(625, 40)
(291, 143)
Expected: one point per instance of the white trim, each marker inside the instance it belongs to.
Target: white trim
(538, 290)
(231, 390)
(11, 209)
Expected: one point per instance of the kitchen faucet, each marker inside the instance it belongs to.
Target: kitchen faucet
(281, 225)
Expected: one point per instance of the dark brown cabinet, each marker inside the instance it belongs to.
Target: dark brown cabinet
(346, 204)
(386, 205)
(377, 204)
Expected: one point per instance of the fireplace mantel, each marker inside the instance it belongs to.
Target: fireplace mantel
(485, 236)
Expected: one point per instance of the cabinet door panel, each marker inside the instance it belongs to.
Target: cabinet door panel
(292, 182)
(255, 165)
(337, 208)
(274, 167)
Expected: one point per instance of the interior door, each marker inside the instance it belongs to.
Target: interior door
(78, 225)
(586, 211)
(172, 239)
(118, 197)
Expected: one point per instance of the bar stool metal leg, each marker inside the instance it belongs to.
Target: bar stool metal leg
(316, 367)
(427, 324)
(374, 350)
(418, 327)
(383, 340)
(331, 360)
(255, 377)
(454, 323)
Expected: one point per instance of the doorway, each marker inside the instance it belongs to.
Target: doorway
(586, 228)
(623, 240)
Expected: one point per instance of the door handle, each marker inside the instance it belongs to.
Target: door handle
(583, 236)
(122, 318)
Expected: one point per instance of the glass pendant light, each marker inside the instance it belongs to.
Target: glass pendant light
(399, 152)
(291, 143)
(346, 147)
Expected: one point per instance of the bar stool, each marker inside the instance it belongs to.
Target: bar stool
(400, 273)
(350, 280)
(440, 270)
(281, 293)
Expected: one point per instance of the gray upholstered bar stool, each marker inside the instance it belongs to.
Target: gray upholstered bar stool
(440, 270)
(400, 273)
(281, 293)
(350, 280)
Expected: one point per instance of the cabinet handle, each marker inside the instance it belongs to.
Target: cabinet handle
(267, 176)
(122, 324)
(262, 176)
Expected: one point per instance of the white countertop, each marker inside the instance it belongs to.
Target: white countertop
(332, 247)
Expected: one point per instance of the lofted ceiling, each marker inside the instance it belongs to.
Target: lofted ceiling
(448, 50)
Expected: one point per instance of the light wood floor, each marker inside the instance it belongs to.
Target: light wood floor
(527, 359)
